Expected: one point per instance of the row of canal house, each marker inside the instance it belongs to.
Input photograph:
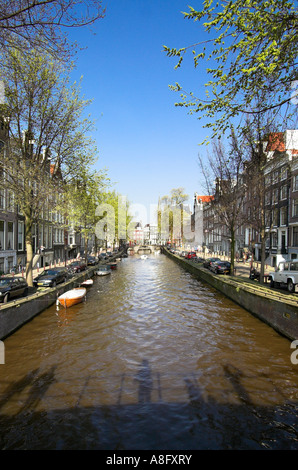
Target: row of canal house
(52, 243)
(281, 208)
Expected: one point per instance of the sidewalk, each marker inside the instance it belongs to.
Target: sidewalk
(37, 271)
(243, 269)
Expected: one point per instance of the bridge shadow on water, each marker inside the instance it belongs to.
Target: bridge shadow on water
(149, 423)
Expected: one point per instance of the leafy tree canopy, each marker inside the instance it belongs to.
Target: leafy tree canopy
(252, 54)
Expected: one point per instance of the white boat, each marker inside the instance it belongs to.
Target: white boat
(144, 256)
(72, 297)
(103, 271)
(87, 283)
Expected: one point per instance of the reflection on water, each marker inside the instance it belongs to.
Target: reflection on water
(153, 359)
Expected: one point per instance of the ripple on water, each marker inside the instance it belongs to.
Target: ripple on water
(148, 330)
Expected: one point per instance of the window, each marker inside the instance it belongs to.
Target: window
(295, 208)
(20, 236)
(9, 263)
(1, 234)
(283, 173)
(267, 198)
(267, 218)
(283, 215)
(275, 177)
(295, 236)
(46, 236)
(10, 201)
(2, 199)
(275, 196)
(283, 192)
(275, 217)
(273, 237)
(10, 244)
(41, 242)
(295, 183)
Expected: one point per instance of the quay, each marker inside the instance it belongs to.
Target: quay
(277, 308)
(18, 312)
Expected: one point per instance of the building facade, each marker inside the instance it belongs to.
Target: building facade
(280, 202)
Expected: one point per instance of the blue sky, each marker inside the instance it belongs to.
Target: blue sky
(148, 145)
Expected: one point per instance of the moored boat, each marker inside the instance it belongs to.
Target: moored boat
(72, 297)
(87, 283)
(112, 265)
(103, 270)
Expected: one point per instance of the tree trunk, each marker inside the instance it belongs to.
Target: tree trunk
(232, 252)
(263, 257)
(263, 231)
(86, 249)
(29, 251)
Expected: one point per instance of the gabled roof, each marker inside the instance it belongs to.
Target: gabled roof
(204, 198)
(276, 142)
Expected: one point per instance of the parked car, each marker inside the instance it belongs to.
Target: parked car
(208, 262)
(190, 255)
(285, 275)
(109, 254)
(92, 261)
(183, 254)
(77, 266)
(11, 288)
(221, 267)
(51, 277)
(103, 256)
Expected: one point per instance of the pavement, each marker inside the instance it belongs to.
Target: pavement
(37, 271)
(243, 268)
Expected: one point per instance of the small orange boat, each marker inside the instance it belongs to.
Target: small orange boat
(72, 297)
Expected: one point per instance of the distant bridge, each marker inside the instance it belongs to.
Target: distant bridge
(142, 249)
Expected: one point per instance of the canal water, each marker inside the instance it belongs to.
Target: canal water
(153, 359)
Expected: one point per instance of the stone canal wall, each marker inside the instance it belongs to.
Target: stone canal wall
(16, 313)
(277, 309)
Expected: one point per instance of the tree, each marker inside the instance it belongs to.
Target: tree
(42, 24)
(224, 182)
(254, 48)
(48, 137)
(81, 198)
(171, 214)
(115, 219)
(253, 135)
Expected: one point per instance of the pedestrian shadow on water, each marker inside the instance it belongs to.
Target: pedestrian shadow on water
(145, 381)
(151, 422)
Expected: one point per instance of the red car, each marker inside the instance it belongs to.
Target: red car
(190, 255)
(77, 266)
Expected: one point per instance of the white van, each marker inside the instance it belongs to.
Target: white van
(286, 274)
